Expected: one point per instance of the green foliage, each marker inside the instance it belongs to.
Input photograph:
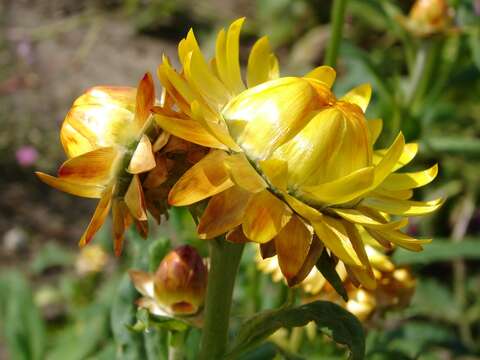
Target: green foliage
(345, 328)
(326, 266)
(22, 324)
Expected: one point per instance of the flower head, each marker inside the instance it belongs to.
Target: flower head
(105, 138)
(178, 286)
(428, 17)
(294, 167)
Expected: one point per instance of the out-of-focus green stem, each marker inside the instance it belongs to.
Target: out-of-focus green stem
(176, 349)
(224, 261)
(337, 19)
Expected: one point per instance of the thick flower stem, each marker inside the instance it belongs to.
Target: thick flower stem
(224, 261)
(337, 19)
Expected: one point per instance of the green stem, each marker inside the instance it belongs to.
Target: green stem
(224, 261)
(176, 349)
(337, 18)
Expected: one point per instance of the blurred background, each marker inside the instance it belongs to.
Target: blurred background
(56, 301)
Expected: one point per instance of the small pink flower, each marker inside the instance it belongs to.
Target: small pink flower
(26, 155)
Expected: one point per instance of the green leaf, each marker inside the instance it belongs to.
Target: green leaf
(129, 343)
(440, 250)
(157, 251)
(451, 145)
(51, 255)
(23, 326)
(326, 266)
(345, 328)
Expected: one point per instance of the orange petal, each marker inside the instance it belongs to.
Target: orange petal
(292, 244)
(92, 168)
(237, 236)
(316, 248)
(121, 220)
(206, 178)
(224, 212)
(145, 99)
(142, 158)
(143, 282)
(88, 191)
(158, 175)
(135, 200)
(265, 216)
(98, 217)
(268, 250)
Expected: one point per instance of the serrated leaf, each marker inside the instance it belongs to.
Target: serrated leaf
(326, 266)
(345, 327)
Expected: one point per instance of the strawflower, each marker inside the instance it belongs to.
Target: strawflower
(429, 17)
(293, 167)
(116, 153)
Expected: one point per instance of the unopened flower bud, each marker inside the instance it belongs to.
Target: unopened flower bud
(178, 286)
(181, 280)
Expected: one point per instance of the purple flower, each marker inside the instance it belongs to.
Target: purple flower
(26, 155)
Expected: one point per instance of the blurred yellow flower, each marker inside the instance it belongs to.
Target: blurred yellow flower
(178, 286)
(293, 167)
(395, 286)
(92, 259)
(104, 136)
(429, 17)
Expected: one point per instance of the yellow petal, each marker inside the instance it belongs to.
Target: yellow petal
(89, 126)
(206, 178)
(375, 128)
(409, 152)
(259, 68)
(363, 218)
(213, 125)
(199, 73)
(272, 113)
(390, 159)
(396, 182)
(403, 207)
(264, 217)
(78, 189)
(227, 57)
(145, 99)
(187, 45)
(365, 277)
(333, 235)
(399, 239)
(142, 158)
(302, 209)
(359, 96)
(399, 194)
(98, 217)
(276, 171)
(292, 244)
(189, 130)
(325, 74)
(93, 168)
(339, 191)
(316, 248)
(135, 200)
(243, 174)
(224, 212)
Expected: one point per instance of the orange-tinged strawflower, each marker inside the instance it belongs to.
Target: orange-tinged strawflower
(105, 137)
(428, 17)
(178, 286)
(293, 167)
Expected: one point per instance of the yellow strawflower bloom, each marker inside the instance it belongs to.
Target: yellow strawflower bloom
(293, 167)
(104, 137)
